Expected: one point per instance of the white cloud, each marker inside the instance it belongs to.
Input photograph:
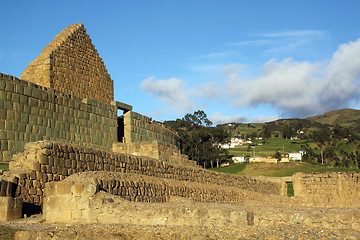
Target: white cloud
(257, 42)
(218, 118)
(207, 67)
(287, 46)
(281, 42)
(263, 119)
(171, 91)
(208, 91)
(298, 33)
(217, 54)
(293, 88)
(303, 88)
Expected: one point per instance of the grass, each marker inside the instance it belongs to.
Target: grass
(7, 233)
(248, 129)
(290, 189)
(4, 167)
(278, 169)
(270, 146)
(233, 168)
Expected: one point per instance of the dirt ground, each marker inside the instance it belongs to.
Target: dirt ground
(34, 228)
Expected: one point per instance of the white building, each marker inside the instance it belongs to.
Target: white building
(238, 159)
(233, 143)
(295, 156)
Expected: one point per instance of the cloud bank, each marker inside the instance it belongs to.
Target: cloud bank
(171, 91)
(293, 88)
(218, 118)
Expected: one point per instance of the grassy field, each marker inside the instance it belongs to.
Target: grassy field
(5, 167)
(249, 128)
(277, 169)
(270, 146)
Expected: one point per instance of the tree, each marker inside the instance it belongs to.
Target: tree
(287, 132)
(277, 156)
(199, 140)
(321, 137)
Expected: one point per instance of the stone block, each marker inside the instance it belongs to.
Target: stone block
(11, 208)
(64, 188)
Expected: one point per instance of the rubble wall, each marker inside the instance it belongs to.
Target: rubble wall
(29, 113)
(71, 64)
(48, 161)
(330, 189)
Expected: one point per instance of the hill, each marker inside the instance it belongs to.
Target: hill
(344, 117)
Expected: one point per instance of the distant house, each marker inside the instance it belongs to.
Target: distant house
(233, 143)
(295, 156)
(238, 159)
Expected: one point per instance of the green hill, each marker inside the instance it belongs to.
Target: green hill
(344, 117)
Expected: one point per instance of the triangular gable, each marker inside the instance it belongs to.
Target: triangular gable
(71, 64)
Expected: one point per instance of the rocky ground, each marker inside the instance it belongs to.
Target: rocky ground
(34, 228)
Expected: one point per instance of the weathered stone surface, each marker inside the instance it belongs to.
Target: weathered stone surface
(71, 64)
(329, 189)
(11, 208)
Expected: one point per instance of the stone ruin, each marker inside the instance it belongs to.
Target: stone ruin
(74, 159)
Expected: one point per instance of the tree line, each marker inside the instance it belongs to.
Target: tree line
(199, 140)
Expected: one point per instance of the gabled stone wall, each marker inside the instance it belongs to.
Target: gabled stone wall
(71, 64)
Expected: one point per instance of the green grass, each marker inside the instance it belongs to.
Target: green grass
(268, 148)
(232, 168)
(245, 129)
(5, 167)
(278, 169)
(290, 189)
(7, 233)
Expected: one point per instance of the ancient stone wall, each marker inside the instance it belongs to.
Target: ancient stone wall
(71, 202)
(29, 112)
(139, 128)
(47, 161)
(330, 189)
(71, 64)
(154, 149)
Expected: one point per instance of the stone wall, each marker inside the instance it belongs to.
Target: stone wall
(139, 128)
(70, 202)
(48, 161)
(330, 189)
(154, 149)
(71, 64)
(29, 112)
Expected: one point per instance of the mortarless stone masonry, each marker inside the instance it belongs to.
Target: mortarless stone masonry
(329, 189)
(29, 112)
(71, 64)
(48, 161)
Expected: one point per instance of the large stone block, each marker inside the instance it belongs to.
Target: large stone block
(11, 208)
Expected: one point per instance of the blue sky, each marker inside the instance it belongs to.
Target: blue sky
(242, 61)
